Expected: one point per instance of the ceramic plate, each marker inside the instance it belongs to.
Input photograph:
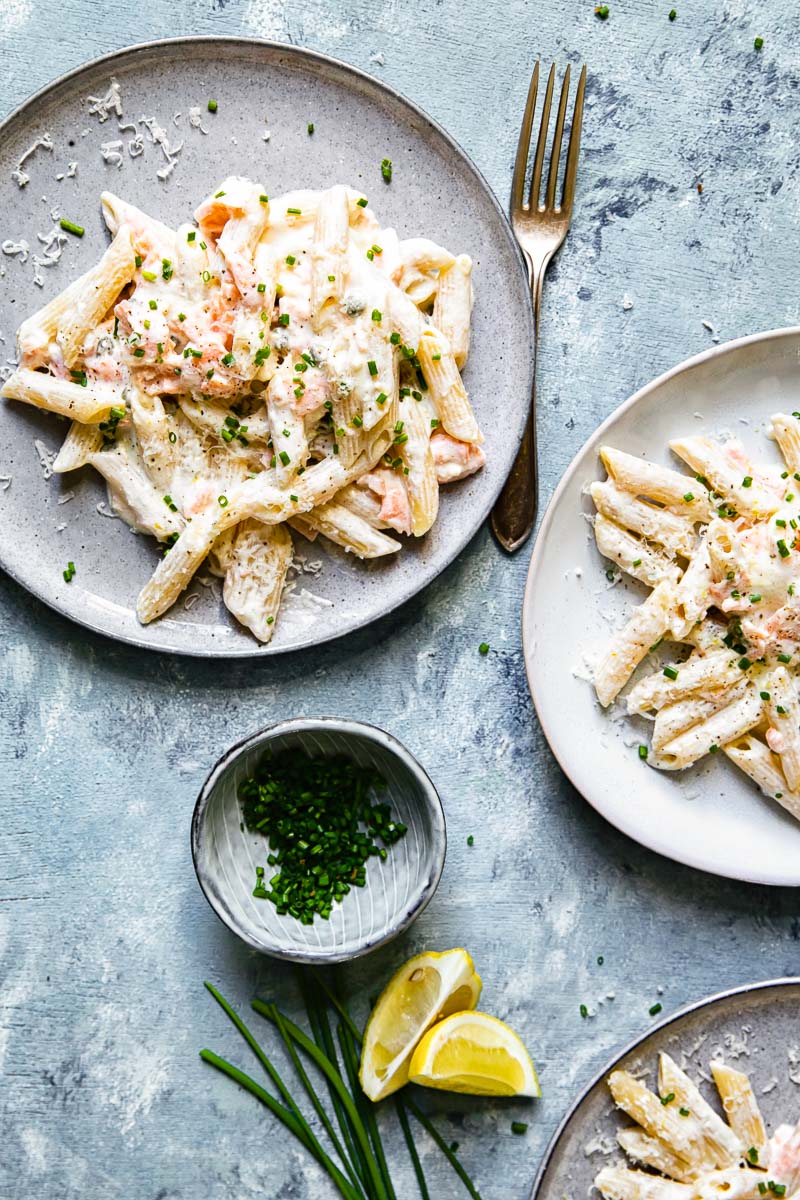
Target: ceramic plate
(261, 88)
(709, 816)
(753, 1028)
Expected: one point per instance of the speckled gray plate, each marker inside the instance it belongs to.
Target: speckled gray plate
(763, 1016)
(260, 86)
(397, 889)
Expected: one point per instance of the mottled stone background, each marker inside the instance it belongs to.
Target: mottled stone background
(104, 936)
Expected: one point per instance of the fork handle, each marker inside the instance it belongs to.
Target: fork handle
(514, 513)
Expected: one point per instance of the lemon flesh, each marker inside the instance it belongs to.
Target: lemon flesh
(426, 988)
(475, 1053)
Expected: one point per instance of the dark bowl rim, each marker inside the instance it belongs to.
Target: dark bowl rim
(341, 725)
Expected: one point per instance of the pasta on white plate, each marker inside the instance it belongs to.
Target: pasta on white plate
(276, 363)
(720, 547)
(689, 1150)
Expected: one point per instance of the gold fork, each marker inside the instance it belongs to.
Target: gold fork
(540, 229)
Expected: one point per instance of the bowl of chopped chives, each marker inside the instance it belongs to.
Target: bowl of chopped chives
(318, 840)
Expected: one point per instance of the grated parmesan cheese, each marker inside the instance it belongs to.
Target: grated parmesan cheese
(20, 176)
(103, 106)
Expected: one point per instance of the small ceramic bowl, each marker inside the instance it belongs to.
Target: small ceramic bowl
(397, 889)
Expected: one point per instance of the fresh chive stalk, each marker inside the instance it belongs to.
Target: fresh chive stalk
(321, 1061)
(412, 1149)
(287, 1118)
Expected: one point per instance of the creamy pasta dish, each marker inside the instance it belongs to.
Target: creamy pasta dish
(720, 549)
(277, 367)
(693, 1153)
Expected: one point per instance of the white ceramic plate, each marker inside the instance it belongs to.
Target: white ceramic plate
(710, 816)
(260, 87)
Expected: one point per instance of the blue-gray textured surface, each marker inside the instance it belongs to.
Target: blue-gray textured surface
(104, 936)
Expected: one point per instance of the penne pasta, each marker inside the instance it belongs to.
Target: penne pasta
(341, 525)
(78, 446)
(452, 309)
(88, 405)
(635, 557)
(742, 1111)
(783, 714)
(412, 435)
(675, 534)
(256, 561)
(712, 733)
(648, 624)
(764, 768)
(446, 387)
(242, 373)
(685, 495)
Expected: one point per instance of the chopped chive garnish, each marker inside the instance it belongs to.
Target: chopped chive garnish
(290, 260)
(191, 235)
(362, 202)
(138, 352)
(637, 562)
(670, 672)
(376, 314)
(284, 457)
(744, 663)
(654, 1010)
(212, 106)
(71, 227)
(519, 1127)
(470, 840)
(602, 12)
(222, 501)
(294, 212)
(483, 648)
(382, 398)
(386, 169)
(227, 360)
(764, 695)
(283, 319)
(372, 367)
(684, 1112)
(172, 436)
(643, 752)
(689, 497)
(747, 481)
(394, 338)
(206, 276)
(166, 269)
(150, 276)
(69, 572)
(672, 14)
(263, 199)
(584, 1011)
(137, 260)
(783, 549)
(784, 658)
(665, 1100)
(310, 127)
(758, 42)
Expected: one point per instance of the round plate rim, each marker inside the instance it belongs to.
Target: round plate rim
(339, 725)
(689, 858)
(695, 1006)
(462, 539)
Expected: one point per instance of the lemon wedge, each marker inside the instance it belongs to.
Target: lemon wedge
(475, 1053)
(425, 989)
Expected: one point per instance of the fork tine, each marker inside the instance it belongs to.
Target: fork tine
(555, 153)
(573, 148)
(538, 162)
(524, 144)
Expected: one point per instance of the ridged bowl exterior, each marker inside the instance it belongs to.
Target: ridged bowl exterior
(398, 888)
